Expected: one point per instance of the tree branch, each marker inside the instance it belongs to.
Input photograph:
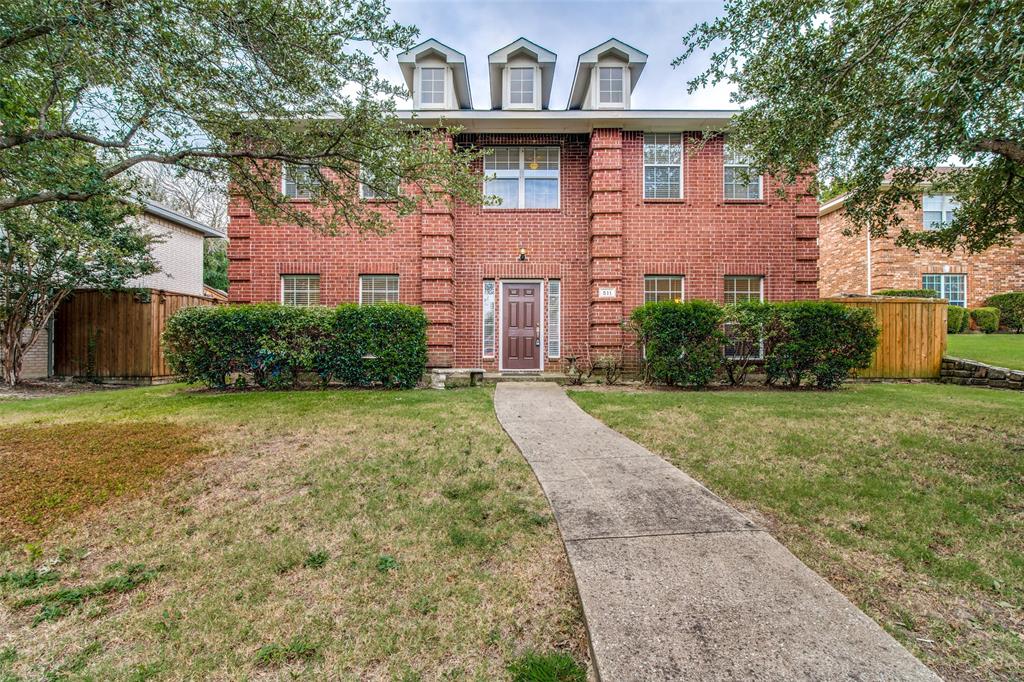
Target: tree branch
(1011, 149)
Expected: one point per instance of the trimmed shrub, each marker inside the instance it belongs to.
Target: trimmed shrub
(986, 319)
(273, 345)
(956, 319)
(683, 341)
(745, 325)
(909, 293)
(1011, 309)
(818, 341)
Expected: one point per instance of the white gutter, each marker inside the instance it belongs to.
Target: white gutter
(868, 292)
(575, 121)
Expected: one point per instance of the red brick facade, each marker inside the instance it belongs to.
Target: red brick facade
(844, 262)
(603, 236)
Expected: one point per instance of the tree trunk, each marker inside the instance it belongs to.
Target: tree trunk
(13, 355)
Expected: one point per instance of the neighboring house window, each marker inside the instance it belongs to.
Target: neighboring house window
(298, 182)
(488, 318)
(610, 84)
(554, 318)
(522, 177)
(371, 190)
(740, 181)
(378, 289)
(520, 85)
(431, 85)
(300, 289)
(743, 289)
(953, 288)
(938, 211)
(663, 166)
(659, 288)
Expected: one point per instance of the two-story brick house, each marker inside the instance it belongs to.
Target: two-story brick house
(860, 264)
(603, 207)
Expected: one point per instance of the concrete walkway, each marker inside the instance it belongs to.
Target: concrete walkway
(675, 583)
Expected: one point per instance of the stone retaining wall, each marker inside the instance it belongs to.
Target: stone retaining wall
(972, 373)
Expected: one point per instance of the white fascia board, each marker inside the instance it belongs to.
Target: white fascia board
(575, 121)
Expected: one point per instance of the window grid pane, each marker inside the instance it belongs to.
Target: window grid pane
(740, 180)
(743, 289)
(953, 288)
(939, 210)
(521, 85)
(662, 166)
(299, 182)
(610, 84)
(554, 318)
(302, 290)
(375, 289)
(488, 320)
(431, 86)
(522, 177)
(659, 288)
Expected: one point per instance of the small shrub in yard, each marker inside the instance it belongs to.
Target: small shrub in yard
(683, 341)
(745, 325)
(909, 293)
(956, 319)
(986, 319)
(818, 341)
(298, 649)
(317, 559)
(551, 667)
(273, 345)
(1011, 309)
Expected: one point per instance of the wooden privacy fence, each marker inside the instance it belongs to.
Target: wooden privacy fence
(115, 335)
(913, 338)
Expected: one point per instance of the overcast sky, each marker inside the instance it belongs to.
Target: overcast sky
(568, 28)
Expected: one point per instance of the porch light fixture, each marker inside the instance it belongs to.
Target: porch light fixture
(522, 253)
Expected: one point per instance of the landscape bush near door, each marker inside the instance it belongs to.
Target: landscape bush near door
(273, 346)
(1011, 309)
(986, 319)
(814, 343)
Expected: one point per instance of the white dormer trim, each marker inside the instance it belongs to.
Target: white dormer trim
(435, 54)
(585, 94)
(521, 53)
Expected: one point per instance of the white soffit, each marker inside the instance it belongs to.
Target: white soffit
(575, 121)
(453, 58)
(521, 47)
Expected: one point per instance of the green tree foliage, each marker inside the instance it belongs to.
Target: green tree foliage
(215, 264)
(92, 89)
(49, 250)
(880, 95)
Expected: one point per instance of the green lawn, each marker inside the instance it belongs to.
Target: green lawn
(908, 498)
(1002, 350)
(314, 535)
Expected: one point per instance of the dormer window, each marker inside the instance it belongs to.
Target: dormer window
(521, 90)
(610, 84)
(432, 86)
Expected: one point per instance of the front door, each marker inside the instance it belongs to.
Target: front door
(521, 325)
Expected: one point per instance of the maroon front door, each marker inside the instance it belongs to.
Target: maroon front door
(521, 326)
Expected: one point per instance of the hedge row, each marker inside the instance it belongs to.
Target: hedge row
(909, 293)
(1011, 309)
(809, 342)
(273, 345)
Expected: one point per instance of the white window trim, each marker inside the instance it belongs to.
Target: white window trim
(381, 274)
(284, 183)
(682, 160)
(759, 277)
(521, 204)
(598, 104)
(682, 286)
(947, 209)
(285, 275)
(943, 276)
(760, 345)
(760, 180)
(445, 78)
(499, 340)
(508, 89)
(494, 318)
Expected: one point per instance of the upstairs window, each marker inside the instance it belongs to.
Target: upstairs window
(741, 181)
(938, 211)
(522, 177)
(372, 190)
(298, 182)
(431, 85)
(659, 288)
(663, 166)
(301, 290)
(520, 85)
(610, 84)
(378, 289)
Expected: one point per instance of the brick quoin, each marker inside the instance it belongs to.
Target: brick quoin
(603, 235)
(844, 261)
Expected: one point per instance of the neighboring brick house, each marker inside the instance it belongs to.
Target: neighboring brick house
(860, 264)
(604, 207)
(179, 256)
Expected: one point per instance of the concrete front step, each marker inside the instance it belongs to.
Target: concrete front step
(455, 377)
